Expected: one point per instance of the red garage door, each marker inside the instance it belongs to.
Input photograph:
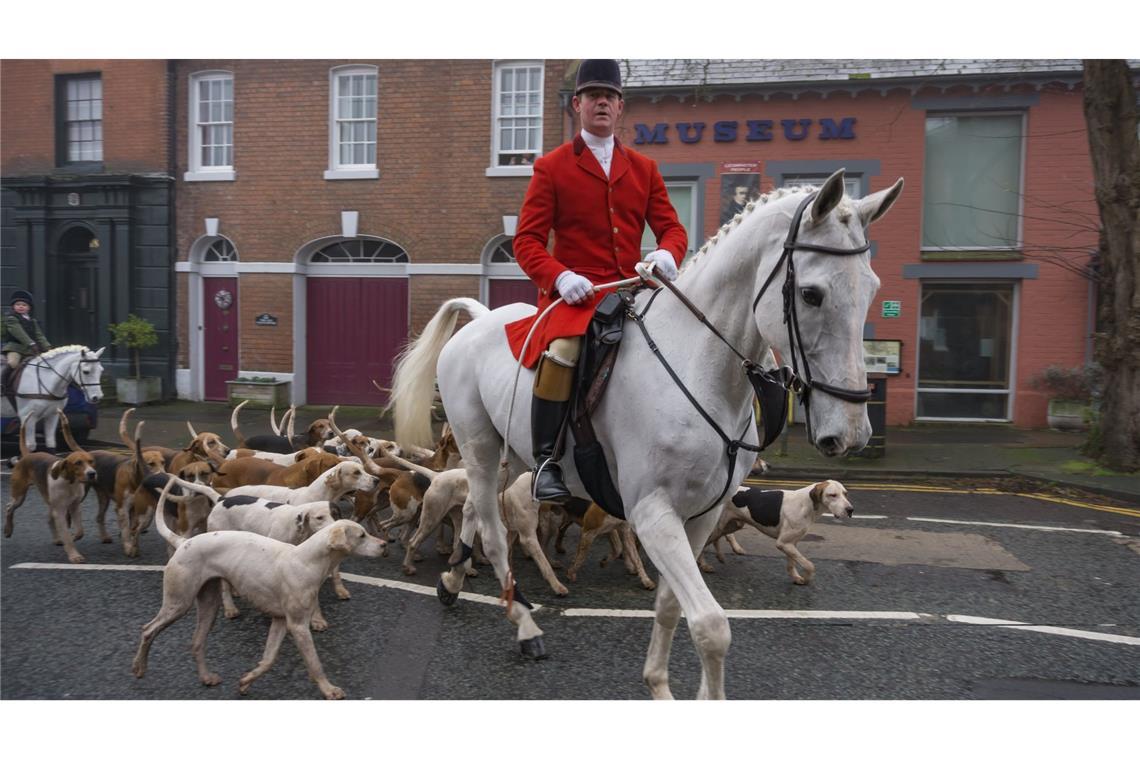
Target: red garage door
(502, 292)
(356, 326)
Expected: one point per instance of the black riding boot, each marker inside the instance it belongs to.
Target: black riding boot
(8, 390)
(546, 419)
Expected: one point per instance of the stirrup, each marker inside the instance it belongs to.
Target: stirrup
(553, 489)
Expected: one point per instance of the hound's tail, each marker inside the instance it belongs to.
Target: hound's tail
(234, 425)
(168, 510)
(413, 382)
(168, 507)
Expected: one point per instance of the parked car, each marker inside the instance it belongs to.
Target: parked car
(82, 415)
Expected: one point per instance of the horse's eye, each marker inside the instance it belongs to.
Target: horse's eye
(811, 296)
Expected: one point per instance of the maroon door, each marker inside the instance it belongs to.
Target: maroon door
(503, 292)
(356, 326)
(220, 336)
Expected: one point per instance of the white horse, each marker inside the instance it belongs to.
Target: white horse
(42, 390)
(668, 463)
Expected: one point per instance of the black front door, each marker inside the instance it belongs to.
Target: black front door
(78, 319)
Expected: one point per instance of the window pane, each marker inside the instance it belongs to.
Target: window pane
(681, 196)
(972, 181)
(964, 345)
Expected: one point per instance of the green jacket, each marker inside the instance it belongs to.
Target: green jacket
(22, 334)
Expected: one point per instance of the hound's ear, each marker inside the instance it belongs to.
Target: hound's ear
(338, 538)
(58, 470)
(817, 493)
(829, 196)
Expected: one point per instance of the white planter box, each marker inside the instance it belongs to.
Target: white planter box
(138, 391)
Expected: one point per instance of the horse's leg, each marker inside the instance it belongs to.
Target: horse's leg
(663, 535)
(51, 424)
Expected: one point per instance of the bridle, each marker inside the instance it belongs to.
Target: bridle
(805, 385)
(766, 383)
(44, 364)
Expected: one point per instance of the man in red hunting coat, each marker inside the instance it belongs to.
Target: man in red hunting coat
(596, 195)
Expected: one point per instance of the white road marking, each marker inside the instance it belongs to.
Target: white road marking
(1023, 527)
(1056, 631)
(69, 566)
(415, 588)
(757, 614)
(615, 613)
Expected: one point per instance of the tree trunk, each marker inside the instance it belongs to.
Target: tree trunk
(1110, 112)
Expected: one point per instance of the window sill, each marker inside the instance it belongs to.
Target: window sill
(941, 254)
(352, 174)
(220, 176)
(510, 171)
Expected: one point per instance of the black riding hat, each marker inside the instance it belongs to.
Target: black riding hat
(21, 295)
(598, 72)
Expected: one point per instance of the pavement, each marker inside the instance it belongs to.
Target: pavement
(1018, 458)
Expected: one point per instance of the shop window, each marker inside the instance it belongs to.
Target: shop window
(965, 351)
(683, 195)
(352, 123)
(517, 109)
(79, 120)
(971, 195)
(211, 141)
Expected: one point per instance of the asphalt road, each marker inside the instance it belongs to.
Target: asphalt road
(70, 632)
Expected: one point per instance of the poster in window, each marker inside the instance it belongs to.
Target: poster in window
(736, 191)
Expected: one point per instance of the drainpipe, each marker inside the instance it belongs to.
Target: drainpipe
(172, 221)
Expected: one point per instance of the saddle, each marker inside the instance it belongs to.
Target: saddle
(12, 381)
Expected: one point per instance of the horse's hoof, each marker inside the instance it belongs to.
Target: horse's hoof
(533, 649)
(446, 597)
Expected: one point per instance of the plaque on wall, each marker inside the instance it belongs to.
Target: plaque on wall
(265, 320)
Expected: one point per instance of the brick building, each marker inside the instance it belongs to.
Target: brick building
(998, 191)
(334, 204)
(325, 208)
(86, 208)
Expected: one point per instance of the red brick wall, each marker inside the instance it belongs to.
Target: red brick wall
(1059, 209)
(135, 107)
(432, 197)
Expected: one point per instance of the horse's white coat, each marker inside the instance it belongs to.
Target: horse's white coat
(667, 462)
(49, 374)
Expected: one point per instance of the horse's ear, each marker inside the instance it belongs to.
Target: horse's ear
(829, 196)
(872, 208)
(99, 353)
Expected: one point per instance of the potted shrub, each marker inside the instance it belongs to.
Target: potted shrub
(1071, 393)
(259, 391)
(136, 333)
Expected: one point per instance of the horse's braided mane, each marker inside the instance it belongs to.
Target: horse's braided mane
(64, 350)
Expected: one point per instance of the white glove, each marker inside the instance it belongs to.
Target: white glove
(666, 267)
(574, 288)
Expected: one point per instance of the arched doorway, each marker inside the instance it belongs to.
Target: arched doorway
(504, 280)
(77, 296)
(356, 294)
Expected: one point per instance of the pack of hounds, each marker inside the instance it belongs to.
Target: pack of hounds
(263, 520)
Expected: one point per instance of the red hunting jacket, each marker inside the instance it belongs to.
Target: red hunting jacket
(598, 224)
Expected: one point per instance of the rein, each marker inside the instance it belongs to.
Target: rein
(788, 377)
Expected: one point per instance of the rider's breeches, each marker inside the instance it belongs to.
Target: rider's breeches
(555, 376)
(14, 358)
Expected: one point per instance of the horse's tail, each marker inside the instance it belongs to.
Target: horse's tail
(413, 381)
